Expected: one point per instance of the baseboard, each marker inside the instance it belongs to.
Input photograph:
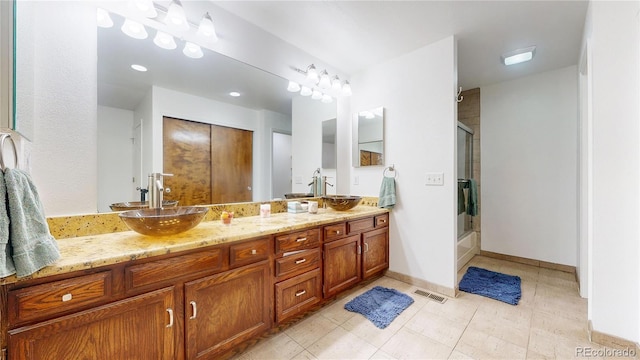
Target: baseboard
(532, 262)
(613, 342)
(421, 283)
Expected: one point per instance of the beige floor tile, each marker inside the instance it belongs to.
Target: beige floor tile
(457, 311)
(436, 327)
(557, 278)
(570, 307)
(457, 355)
(559, 326)
(407, 344)
(341, 344)
(525, 272)
(480, 345)
(280, 346)
(305, 355)
(336, 312)
(311, 329)
(547, 345)
(505, 322)
(381, 355)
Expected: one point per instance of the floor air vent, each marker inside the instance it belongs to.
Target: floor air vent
(430, 296)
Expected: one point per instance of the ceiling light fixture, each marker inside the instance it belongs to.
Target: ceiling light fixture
(335, 83)
(518, 56)
(104, 19)
(293, 86)
(145, 7)
(192, 50)
(134, 29)
(234, 94)
(312, 74)
(176, 17)
(206, 29)
(346, 89)
(164, 40)
(325, 81)
(138, 67)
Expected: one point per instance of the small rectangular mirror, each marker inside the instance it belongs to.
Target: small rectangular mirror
(329, 144)
(368, 137)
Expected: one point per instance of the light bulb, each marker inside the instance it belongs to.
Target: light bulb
(346, 89)
(305, 91)
(206, 29)
(293, 87)
(325, 82)
(176, 17)
(134, 29)
(335, 83)
(316, 95)
(145, 7)
(326, 99)
(164, 40)
(312, 74)
(192, 50)
(104, 19)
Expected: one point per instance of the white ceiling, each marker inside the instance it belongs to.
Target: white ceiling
(350, 36)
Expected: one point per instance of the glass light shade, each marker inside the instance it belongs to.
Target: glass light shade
(176, 17)
(326, 99)
(164, 40)
(518, 56)
(346, 89)
(335, 83)
(145, 7)
(206, 29)
(325, 82)
(305, 91)
(104, 19)
(312, 74)
(316, 95)
(293, 87)
(138, 67)
(192, 50)
(134, 29)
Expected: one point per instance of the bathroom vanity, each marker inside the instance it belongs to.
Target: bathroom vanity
(196, 295)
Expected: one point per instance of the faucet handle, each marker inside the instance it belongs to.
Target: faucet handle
(166, 174)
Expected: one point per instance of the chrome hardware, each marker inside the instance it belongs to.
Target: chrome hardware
(170, 311)
(156, 189)
(194, 309)
(67, 297)
(300, 261)
(300, 293)
(366, 247)
(301, 239)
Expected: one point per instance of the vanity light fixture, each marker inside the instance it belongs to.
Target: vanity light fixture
(176, 17)
(293, 86)
(138, 67)
(316, 94)
(324, 82)
(326, 99)
(104, 19)
(164, 40)
(134, 29)
(518, 56)
(145, 7)
(305, 91)
(312, 74)
(335, 83)
(346, 89)
(192, 50)
(234, 94)
(206, 30)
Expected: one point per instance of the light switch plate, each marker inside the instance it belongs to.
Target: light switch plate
(356, 180)
(298, 179)
(436, 179)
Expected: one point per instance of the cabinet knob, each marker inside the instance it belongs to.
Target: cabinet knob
(300, 293)
(170, 311)
(67, 297)
(194, 310)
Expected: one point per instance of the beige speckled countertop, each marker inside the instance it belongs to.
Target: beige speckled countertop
(85, 252)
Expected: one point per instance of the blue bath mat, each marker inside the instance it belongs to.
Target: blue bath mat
(380, 305)
(492, 284)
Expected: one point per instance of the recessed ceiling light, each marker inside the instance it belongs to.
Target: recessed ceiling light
(137, 67)
(518, 56)
(234, 94)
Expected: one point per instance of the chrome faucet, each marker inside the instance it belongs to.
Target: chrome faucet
(156, 189)
(315, 184)
(324, 186)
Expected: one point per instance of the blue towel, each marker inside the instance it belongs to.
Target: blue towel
(380, 305)
(472, 198)
(6, 262)
(32, 244)
(387, 198)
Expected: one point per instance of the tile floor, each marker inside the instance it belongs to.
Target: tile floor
(550, 322)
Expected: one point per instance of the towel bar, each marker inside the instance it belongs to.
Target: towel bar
(3, 138)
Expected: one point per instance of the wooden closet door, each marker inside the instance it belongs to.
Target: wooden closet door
(187, 155)
(231, 165)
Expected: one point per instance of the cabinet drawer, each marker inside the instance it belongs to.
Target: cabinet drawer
(248, 252)
(46, 300)
(166, 271)
(298, 294)
(382, 220)
(297, 241)
(360, 225)
(336, 231)
(298, 263)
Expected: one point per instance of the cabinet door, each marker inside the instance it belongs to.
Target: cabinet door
(298, 294)
(225, 309)
(341, 264)
(375, 252)
(141, 327)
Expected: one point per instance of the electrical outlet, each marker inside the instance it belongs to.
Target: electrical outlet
(434, 179)
(298, 179)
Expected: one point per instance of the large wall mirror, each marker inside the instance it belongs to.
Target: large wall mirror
(131, 104)
(368, 137)
(329, 150)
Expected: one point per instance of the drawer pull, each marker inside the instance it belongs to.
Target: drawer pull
(67, 297)
(194, 309)
(300, 293)
(253, 252)
(337, 232)
(301, 239)
(300, 261)
(383, 221)
(366, 247)
(170, 311)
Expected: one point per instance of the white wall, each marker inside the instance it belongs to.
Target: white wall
(613, 34)
(65, 104)
(115, 157)
(268, 123)
(529, 166)
(281, 166)
(417, 91)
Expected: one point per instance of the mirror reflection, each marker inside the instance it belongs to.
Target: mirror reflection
(369, 137)
(329, 144)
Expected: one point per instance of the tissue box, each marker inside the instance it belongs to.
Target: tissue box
(295, 207)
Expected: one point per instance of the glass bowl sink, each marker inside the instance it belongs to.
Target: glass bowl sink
(341, 202)
(135, 205)
(165, 221)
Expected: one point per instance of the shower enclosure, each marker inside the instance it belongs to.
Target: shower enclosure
(466, 240)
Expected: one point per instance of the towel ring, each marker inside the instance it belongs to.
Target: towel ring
(3, 138)
(390, 168)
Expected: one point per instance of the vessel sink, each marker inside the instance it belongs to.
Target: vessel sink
(165, 221)
(135, 205)
(341, 202)
(297, 195)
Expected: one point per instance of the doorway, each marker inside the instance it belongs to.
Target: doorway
(281, 182)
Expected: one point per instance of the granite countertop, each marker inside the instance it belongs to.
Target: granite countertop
(86, 252)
